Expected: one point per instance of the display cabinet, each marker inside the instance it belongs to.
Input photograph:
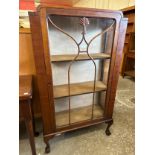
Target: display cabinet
(128, 60)
(77, 55)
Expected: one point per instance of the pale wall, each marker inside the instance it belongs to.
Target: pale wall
(105, 4)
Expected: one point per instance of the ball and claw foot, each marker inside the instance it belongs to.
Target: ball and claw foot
(107, 131)
(47, 148)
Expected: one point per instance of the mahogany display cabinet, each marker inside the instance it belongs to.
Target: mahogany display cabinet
(77, 55)
(128, 61)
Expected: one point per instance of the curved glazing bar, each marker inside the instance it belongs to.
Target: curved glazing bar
(101, 33)
(94, 87)
(63, 31)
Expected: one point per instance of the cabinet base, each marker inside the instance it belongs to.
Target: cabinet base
(50, 136)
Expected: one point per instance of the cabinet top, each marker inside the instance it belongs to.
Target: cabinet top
(128, 9)
(49, 9)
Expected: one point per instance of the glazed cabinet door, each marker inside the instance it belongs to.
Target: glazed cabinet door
(80, 50)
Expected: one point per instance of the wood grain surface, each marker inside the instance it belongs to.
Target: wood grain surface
(70, 57)
(27, 65)
(25, 87)
(78, 88)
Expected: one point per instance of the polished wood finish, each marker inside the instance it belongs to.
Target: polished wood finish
(69, 57)
(78, 88)
(39, 29)
(128, 61)
(27, 65)
(45, 88)
(114, 74)
(26, 60)
(25, 96)
(25, 87)
(131, 54)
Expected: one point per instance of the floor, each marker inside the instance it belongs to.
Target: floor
(92, 140)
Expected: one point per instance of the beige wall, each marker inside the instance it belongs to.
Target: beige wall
(105, 4)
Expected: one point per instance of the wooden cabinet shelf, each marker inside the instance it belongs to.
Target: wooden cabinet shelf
(78, 115)
(78, 88)
(70, 57)
(131, 54)
(130, 22)
(129, 32)
(132, 51)
(130, 73)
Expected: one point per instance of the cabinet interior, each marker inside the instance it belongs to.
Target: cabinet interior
(78, 95)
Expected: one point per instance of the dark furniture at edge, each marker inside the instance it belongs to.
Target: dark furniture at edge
(128, 59)
(25, 96)
(27, 66)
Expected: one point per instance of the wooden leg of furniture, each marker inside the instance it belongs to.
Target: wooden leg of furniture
(36, 134)
(107, 131)
(47, 148)
(29, 127)
(27, 114)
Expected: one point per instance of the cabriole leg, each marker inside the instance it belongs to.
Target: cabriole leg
(47, 148)
(107, 131)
